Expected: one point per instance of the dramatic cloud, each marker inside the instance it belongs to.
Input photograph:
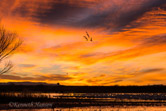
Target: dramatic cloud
(86, 13)
(116, 18)
(128, 47)
(53, 11)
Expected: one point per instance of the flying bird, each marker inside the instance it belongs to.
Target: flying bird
(85, 38)
(91, 39)
(87, 34)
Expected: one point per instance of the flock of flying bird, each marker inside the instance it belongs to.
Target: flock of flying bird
(88, 38)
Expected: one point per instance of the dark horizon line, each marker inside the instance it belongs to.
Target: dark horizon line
(44, 83)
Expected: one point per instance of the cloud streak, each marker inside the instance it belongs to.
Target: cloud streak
(52, 77)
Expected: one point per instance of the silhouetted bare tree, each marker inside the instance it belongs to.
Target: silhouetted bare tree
(9, 42)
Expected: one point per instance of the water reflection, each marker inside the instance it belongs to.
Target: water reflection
(103, 108)
(114, 96)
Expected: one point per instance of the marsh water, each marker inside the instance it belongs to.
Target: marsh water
(156, 101)
(150, 97)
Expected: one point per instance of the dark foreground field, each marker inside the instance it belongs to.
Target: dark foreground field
(28, 101)
(81, 96)
(83, 89)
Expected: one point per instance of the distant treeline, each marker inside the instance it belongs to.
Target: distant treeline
(83, 89)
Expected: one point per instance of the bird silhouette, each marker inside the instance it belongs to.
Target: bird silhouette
(91, 39)
(85, 38)
(87, 34)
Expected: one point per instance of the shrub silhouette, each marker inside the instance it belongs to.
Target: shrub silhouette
(9, 42)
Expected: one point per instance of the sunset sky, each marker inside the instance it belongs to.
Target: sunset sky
(128, 48)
